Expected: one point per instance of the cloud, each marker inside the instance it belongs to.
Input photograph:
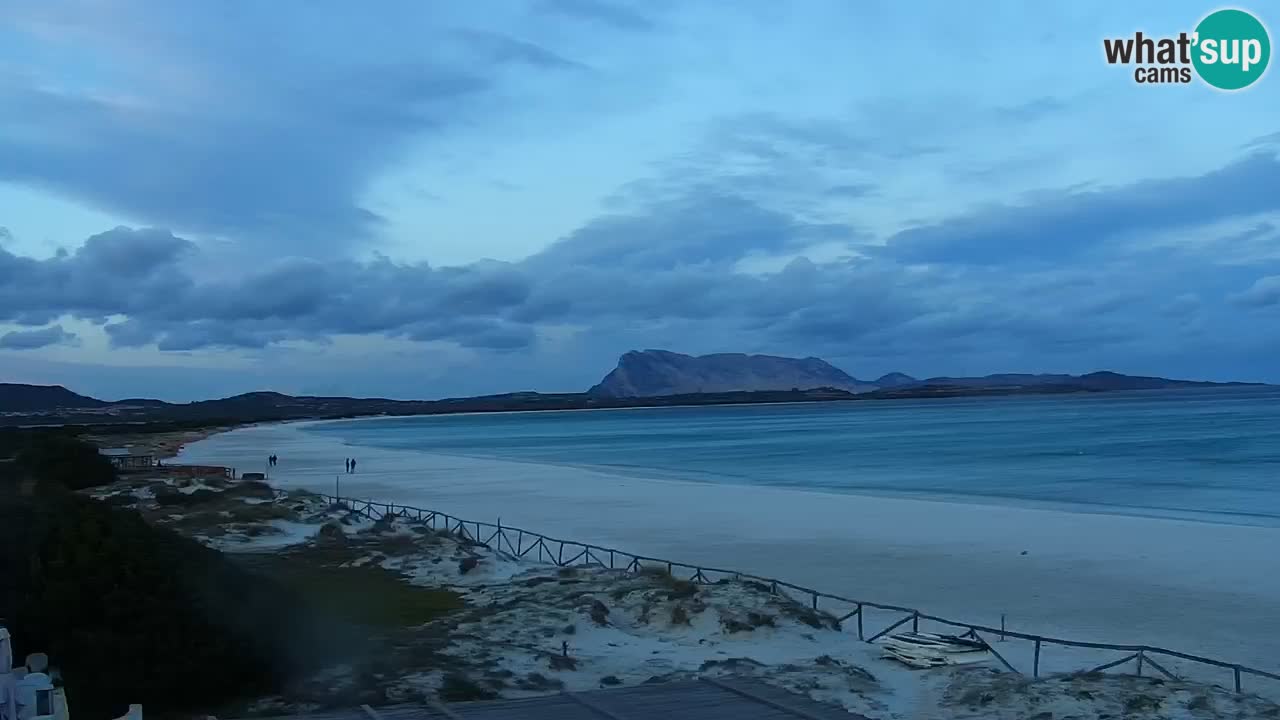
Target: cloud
(503, 49)
(702, 226)
(35, 339)
(259, 134)
(1063, 224)
(1033, 110)
(666, 273)
(607, 12)
(475, 333)
(1264, 292)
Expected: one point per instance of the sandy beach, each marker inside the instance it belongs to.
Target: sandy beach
(1195, 587)
(440, 615)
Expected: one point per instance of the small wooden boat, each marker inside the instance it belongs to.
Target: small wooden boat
(929, 650)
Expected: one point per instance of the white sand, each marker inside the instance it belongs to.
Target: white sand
(1197, 587)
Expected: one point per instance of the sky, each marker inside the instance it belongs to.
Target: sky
(432, 199)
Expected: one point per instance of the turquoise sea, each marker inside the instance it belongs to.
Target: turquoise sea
(1211, 454)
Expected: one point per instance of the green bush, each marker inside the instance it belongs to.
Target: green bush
(64, 459)
(135, 613)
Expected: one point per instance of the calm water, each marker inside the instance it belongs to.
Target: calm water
(1210, 454)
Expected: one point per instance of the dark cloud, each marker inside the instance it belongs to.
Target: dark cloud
(700, 227)
(149, 277)
(1060, 225)
(1265, 292)
(476, 333)
(668, 274)
(34, 339)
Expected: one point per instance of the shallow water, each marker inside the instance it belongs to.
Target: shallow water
(1206, 454)
(1036, 521)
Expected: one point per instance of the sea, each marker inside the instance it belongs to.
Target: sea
(1204, 454)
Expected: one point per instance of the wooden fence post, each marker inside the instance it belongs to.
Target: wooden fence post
(369, 509)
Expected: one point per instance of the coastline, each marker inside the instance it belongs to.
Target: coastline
(464, 621)
(1099, 577)
(165, 445)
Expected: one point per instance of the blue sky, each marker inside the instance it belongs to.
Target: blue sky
(429, 199)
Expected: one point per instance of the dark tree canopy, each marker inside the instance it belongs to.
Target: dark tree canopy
(134, 613)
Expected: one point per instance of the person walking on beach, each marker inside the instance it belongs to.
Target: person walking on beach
(347, 464)
(353, 464)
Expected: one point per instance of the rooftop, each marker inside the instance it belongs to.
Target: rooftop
(123, 452)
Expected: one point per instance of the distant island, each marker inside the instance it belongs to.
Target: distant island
(655, 373)
(648, 378)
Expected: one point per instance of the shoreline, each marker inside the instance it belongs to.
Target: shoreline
(971, 501)
(958, 393)
(510, 627)
(164, 445)
(968, 500)
(169, 445)
(1100, 577)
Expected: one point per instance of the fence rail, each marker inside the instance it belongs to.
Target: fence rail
(579, 553)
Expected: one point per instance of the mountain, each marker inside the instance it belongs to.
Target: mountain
(657, 373)
(651, 373)
(36, 398)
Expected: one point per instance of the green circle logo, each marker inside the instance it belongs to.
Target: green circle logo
(1232, 49)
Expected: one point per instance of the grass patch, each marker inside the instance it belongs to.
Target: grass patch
(677, 589)
(1141, 703)
(457, 687)
(753, 620)
(368, 595)
(228, 513)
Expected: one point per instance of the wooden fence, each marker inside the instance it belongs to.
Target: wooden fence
(522, 543)
(195, 470)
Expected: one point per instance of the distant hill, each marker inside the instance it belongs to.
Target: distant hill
(653, 378)
(270, 407)
(1098, 381)
(650, 373)
(37, 398)
(894, 379)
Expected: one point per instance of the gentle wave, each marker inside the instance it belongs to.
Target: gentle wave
(1207, 454)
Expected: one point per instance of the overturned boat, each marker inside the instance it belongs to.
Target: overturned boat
(929, 650)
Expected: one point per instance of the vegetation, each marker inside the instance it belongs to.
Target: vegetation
(370, 596)
(56, 456)
(131, 612)
(135, 613)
